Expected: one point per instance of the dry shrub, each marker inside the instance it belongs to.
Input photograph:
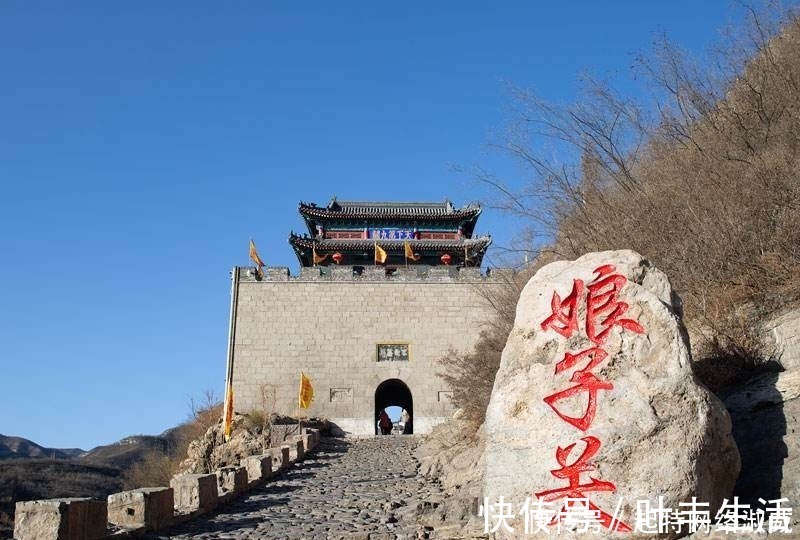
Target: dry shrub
(255, 419)
(157, 467)
(471, 374)
(203, 413)
(701, 176)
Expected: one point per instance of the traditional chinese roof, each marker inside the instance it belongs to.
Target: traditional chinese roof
(406, 212)
(336, 244)
(361, 251)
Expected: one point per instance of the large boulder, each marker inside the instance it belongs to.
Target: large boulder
(598, 366)
(250, 437)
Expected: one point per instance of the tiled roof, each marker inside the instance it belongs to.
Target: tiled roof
(479, 243)
(402, 210)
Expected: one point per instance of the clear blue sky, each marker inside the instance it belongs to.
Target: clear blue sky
(142, 143)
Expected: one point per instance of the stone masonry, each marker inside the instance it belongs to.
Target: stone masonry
(327, 322)
(353, 489)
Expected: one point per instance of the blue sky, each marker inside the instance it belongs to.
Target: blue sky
(142, 144)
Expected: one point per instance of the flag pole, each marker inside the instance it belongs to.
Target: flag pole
(231, 341)
(299, 410)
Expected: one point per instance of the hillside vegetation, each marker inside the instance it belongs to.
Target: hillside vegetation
(29, 471)
(25, 479)
(700, 174)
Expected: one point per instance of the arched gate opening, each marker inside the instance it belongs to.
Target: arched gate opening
(394, 392)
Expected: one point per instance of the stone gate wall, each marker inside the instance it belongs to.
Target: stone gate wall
(327, 323)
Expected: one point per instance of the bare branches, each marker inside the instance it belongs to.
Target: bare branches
(704, 182)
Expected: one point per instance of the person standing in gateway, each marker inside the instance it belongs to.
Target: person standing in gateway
(406, 419)
(384, 423)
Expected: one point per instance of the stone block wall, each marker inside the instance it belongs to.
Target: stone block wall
(151, 508)
(61, 519)
(327, 322)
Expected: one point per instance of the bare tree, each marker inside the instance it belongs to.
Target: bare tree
(701, 176)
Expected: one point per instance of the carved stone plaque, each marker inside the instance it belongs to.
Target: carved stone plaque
(393, 352)
(341, 395)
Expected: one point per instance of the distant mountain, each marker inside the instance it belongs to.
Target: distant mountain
(17, 447)
(125, 452)
(121, 454)
(31, 471)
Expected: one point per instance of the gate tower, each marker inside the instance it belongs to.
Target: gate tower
(352, 325)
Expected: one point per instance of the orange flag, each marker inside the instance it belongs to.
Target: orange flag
(380, 254)
(306, 392)
(318, 259)
(254, 255)
(410, 252)
(228, 418)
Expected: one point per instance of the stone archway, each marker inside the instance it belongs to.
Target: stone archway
(393, 392)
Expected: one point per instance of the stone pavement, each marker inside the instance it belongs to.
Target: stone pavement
(355, 489)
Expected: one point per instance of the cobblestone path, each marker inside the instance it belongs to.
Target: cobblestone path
(355, 489)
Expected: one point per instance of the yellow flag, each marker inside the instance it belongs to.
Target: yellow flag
(228, 418)
(306, 391)
(410, 252)
(380, 254)
(254, 255)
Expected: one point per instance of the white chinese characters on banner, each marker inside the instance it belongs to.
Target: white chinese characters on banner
(392, 234)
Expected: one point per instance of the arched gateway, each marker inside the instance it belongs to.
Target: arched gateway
(394, 392)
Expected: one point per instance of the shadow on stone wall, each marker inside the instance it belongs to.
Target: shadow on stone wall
(759, 428)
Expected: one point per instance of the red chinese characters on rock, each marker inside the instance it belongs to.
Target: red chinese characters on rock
(602, 302)
(586, 381)
(604, 310)
(576, 490)
(564, 319)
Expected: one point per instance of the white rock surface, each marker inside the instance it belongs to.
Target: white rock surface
(661, 432)
(783, 331)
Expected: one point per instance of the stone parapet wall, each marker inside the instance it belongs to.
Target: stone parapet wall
(132, 513)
